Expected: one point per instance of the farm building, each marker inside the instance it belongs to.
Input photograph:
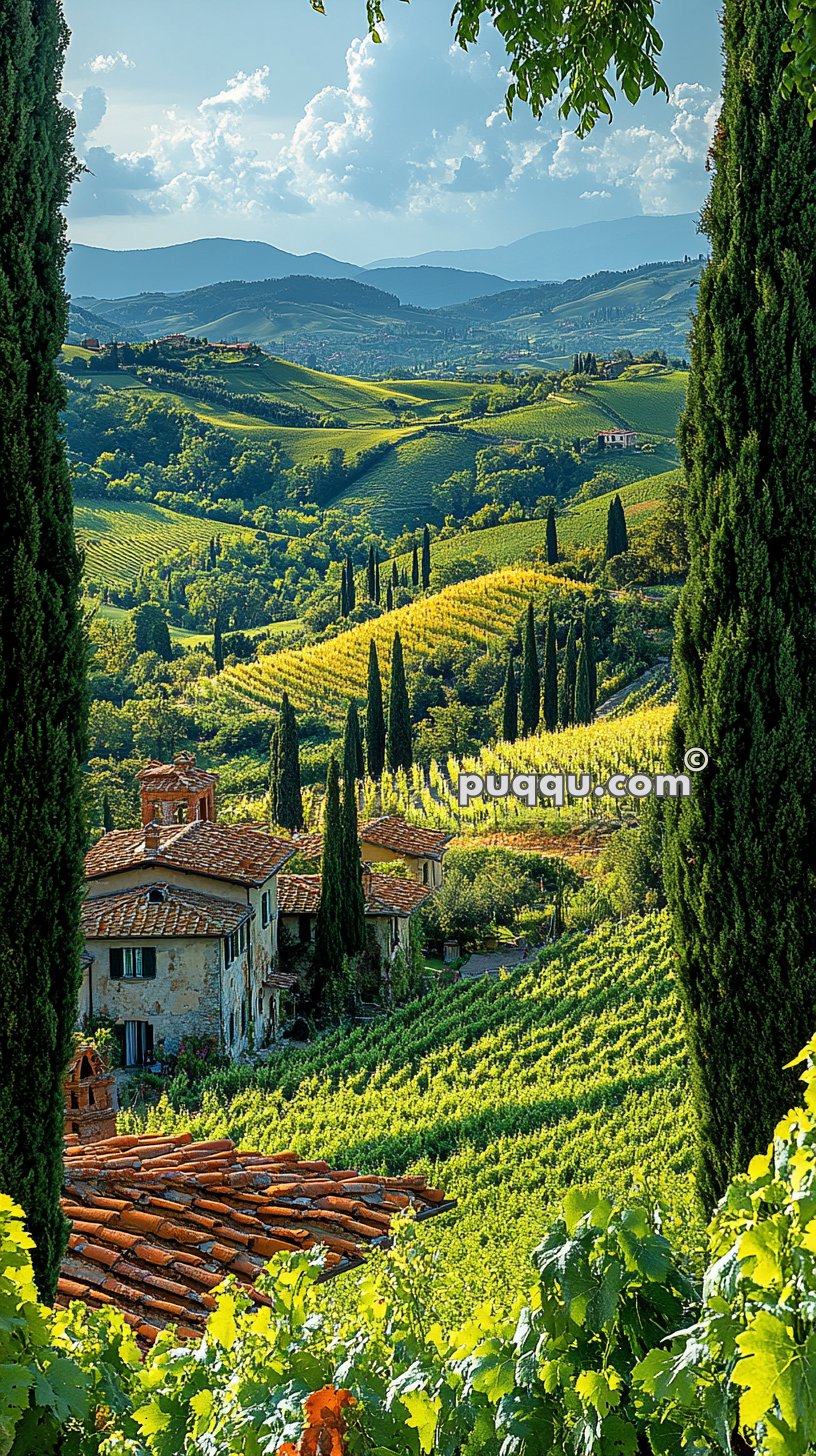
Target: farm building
(617, 439)
(388, 840)
(180, 921)
(389, 904)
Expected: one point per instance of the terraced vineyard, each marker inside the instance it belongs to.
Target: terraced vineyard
(503, 1092)
(562, 417)
(119, 539)
(585, 525)
(396, 491)
(650, 403)
(324, 677)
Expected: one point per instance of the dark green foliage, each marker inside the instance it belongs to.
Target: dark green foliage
(583, 708)
(150, 631)
(399, 746)
(375, 717)
(371, 576)
(218, 646)
(617, 540)
(569, 673)
(377, 582)
(351, 865)
(351, 589)
(344, 600)
(285, 791)
(107, 815)
(587, 639)
(741, 851)
(425, 566)
(510, 721)
(389, 598)
(353, 766)
(414, 566)
(329, 946)
(42, 651)
(530, 697)
(549, 689)
(623, 534)
(552, 538)
(395, 576)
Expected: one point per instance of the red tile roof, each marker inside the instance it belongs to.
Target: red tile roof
(158, 1222)
(181, 912)
(234, 852)
(384, 894)
(391, 831)
(310, 846)
(182, 773)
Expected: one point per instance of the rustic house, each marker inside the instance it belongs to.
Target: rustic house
(617, 439)
(180, 922)
(389, 904)
(388, 840)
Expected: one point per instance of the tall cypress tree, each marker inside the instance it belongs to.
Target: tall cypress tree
(42, 682)
(741, 850)
(552, 537)
(375, 717)
(394, 574)
(530, 696)
(510, 722)
(351, 590)
(425, 567)
(274, 773)
(329, 946)
(613, 537)
(344, 604)
(371, 576)
(623, 534)
(377, 582)
(351, 864)
(588, 639)
(583, 710)
(414, 566)
(549, 691)
(566, 701)
(107, 815)
(286, 796)
(218, 646)
(389, 597)
(398, 743)
(353, 760)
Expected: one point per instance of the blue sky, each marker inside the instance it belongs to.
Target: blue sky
(261, 119)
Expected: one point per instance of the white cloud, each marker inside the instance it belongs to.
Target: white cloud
(101, 64)
(240, 91)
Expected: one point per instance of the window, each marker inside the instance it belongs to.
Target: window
(265, 909)
(138, 1043)
(156, 896)
(133, 962)
(394, 930)
(260, 1003)
(426, 873)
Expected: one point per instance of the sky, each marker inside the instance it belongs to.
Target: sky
(262, 119)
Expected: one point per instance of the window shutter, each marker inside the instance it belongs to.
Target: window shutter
(148, 962)
(116, 964)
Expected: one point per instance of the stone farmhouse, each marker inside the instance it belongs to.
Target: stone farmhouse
(389, 904)
(617, 439)
(180, 921)
(388, 840)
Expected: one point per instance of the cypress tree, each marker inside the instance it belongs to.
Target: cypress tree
(592, 671)
(42, 685)
(425, 569)
(400, 751)
(329, 945)
(566, 702)
(389, 598)
(414, 566)
(287, 796)
(218, 646)
(344, 606)
(274, 773)
(351, 590)
(351, 864)
(404, 577)
(623, 534)
(552, 538)
(371, 578)
(107, 816)
(530, 696)
(549, 693)
(375, 717)
(510, 702)
(353, 760)
(616, 535)
(583, 710)
(575, 364)
(741, 850)
(395, 580)
(377, 582)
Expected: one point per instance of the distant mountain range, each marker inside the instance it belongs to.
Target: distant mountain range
(432, 280)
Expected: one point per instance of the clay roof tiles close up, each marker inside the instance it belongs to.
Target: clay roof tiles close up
(180, 912)
(393, 832)
(384, 894)
(158, 1222)
(239, 853)
(182, 773)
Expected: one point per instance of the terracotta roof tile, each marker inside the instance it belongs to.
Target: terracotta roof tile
(231, 1211)
(391, 831)
(140, 912)
(182, 773)
(384, 894)
(239, 853)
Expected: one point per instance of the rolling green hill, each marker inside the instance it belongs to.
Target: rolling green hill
(396, 491)
(649, 400)
(503, 1092)
(119, 538)
(585, 524)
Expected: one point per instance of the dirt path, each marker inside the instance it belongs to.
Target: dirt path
(604, 709)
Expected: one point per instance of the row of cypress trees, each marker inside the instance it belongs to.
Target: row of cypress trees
(548, 697)
(420, 577)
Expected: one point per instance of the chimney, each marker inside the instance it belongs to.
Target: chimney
(151, 837)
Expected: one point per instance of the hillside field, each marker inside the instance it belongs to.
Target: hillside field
(396, 491)
(324, 677)
(119, 538)
(505, 1093)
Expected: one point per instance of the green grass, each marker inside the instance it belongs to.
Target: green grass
(396, 491)
(650, 403)
(504, 1093)
(120, 538)
(562, 417)
(274, 630)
